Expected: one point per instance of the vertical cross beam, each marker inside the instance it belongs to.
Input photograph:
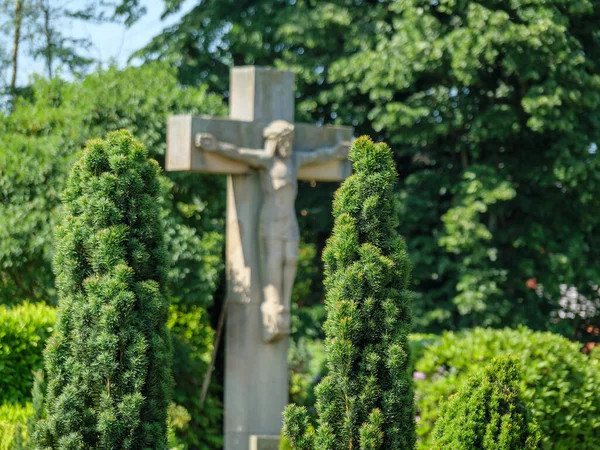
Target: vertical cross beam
(256, 381)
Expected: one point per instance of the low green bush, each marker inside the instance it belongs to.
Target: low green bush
(13, 425)
(15, 422)
(487, 413)
(25, 328)
(23, 332)
(560, 384)
(192, 338)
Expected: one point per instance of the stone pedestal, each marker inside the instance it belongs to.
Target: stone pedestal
(264, 442)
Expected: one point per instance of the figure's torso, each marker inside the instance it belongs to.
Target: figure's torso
(280, 187)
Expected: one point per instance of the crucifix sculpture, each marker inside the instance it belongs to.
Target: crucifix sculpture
(279, 235)
(264, 154)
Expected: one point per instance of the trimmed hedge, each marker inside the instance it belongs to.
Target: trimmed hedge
(23, 332)
(559, 384)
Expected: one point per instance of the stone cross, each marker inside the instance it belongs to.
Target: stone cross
(264, 154)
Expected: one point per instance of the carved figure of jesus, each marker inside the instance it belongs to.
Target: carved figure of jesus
(279, 234)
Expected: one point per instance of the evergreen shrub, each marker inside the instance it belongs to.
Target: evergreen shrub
(487, 413)
(108, 360)
(23, 332)
(559, 384)
(366, 400)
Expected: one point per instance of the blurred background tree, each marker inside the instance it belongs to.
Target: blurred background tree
(490, 107)
(41, 29)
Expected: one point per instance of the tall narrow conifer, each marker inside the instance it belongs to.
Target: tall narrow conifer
(366, 401)
(108, 361)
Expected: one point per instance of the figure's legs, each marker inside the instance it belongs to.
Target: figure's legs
(289, 275)
(272, 306)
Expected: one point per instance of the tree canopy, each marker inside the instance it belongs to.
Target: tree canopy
(491, 109)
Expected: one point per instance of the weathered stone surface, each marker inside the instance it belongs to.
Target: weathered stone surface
(183, 154)
(261, 94)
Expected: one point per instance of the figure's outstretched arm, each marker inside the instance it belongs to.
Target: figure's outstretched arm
(254, 157)
(323, 154)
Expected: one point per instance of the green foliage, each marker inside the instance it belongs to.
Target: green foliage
(307, 364)
(31, 176)
(23, 332)
(15, 421)
(40, 139)
(192, 345)
(487, 414)
(13, 425)
(43, 136)
(595, 353)
(284, 444)
(37, 402)
(418, 344)
(178, 419)
(559, 384)
(190, 358)
(308, 311)
(491, 109)
(108, 360)
(366, 400)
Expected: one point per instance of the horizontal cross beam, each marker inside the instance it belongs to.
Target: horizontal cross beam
(182, 153)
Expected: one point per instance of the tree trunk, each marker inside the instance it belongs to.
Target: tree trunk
(16, 42)
(45, 7)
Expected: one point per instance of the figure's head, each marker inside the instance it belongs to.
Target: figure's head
(279, 136)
